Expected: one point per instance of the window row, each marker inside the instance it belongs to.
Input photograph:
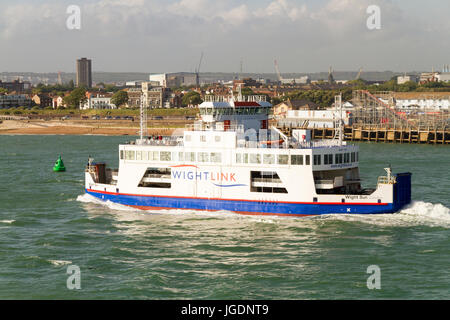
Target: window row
(338, 158)
(215, 157)
(283, 159)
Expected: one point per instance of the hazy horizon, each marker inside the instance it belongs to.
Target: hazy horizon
(157, 36)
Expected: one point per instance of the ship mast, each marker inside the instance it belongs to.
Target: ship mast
(143, 119)
(338, 107)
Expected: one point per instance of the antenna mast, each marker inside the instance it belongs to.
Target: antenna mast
(338, 106)
(143, 118)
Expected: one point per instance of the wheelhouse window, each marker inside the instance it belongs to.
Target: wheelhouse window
(317, 159)
(297, 159)
(328, 159)
(283, 159)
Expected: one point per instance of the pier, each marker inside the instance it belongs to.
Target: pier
(423, 135)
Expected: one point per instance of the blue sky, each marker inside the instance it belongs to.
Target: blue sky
(164, 36)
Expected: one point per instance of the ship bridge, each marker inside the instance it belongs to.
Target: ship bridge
(230, 111)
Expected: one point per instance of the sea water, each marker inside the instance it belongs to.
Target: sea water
(48, 225)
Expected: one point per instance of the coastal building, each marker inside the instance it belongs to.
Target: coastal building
(428, 77)
(98, 101)
(293, 81)
(133, 84)
(84, 72)
(58, 102)
(14, 100)
(159, 96)
(134, 97)
(42, 100)
(281, 109)
(172, 80)
(403, 79)
(15, 86)
(444, 76)
(421, 100)
(316, 118)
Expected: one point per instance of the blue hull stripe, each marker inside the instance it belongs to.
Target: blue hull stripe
(242, 206)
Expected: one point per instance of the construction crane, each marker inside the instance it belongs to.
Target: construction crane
(359, 74)
(59, 78)
(278, 71)
(330, 76)
(197, 71)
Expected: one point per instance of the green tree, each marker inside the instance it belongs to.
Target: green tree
(191, 98)
(76, 97)
(120, 98)
(247, 91)
(111, 88)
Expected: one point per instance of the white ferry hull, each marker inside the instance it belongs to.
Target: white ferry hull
(401, 197)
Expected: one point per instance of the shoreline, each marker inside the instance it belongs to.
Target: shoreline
(20, 127)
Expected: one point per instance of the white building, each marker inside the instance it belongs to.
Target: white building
(174, 79)
(405, 78)
(421, 100)
(444, 77)
(99, 101)
(301, 80)
(316, 118)
(161, 79)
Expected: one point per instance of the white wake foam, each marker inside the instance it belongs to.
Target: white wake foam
(87, 198)
(7, 221)
(416, 214)
(427, 213)
(58, 263)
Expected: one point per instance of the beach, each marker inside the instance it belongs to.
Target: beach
(81, 127)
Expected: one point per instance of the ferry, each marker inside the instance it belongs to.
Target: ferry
(231, 160)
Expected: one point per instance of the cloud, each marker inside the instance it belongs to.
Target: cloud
(166, 35)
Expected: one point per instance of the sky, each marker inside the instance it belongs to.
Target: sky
(155, 36)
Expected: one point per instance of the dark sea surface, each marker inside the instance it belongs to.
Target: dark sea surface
(47, 224)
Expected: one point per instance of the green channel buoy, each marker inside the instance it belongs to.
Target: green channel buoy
(59, 165)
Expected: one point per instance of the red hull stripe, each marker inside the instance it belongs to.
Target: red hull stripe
(184, 166)
(179, 197)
